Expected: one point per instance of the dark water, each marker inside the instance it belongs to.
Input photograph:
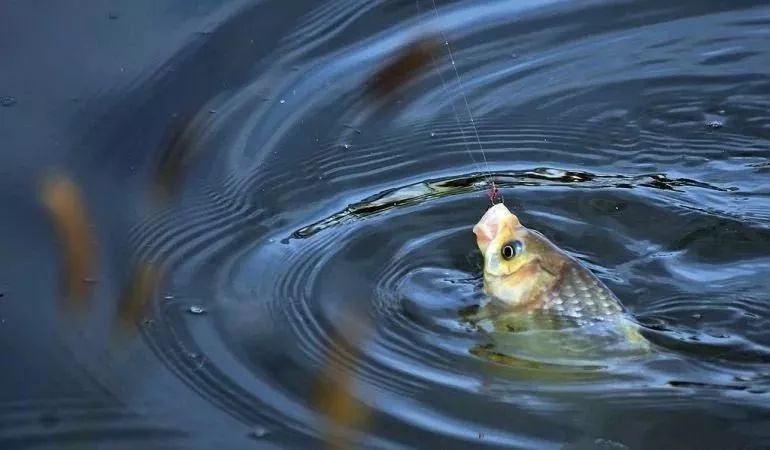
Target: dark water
(635, 135)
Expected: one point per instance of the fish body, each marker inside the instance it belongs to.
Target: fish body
(537, 287)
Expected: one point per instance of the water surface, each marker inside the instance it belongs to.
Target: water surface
(318, 230)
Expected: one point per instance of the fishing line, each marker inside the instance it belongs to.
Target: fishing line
(454, 110)
(493, 187)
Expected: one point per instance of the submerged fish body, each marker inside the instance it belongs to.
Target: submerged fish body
(545, 297)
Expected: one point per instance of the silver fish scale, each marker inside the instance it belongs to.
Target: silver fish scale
(580, 296)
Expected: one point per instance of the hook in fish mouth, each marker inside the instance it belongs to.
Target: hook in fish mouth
(492, 223)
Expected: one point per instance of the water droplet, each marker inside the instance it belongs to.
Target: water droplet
(7, 101)
(258, 432)
(197, 310)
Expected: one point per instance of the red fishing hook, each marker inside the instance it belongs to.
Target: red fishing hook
(492, 194)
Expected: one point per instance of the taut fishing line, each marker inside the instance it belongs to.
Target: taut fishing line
(485, 169)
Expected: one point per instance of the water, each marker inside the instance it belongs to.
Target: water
(327, 236)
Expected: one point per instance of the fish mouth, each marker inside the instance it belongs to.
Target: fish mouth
(491, 224)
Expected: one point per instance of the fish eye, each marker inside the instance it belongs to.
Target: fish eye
(511, 249)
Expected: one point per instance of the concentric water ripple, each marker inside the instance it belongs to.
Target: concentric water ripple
(647, 167)
(634, 135)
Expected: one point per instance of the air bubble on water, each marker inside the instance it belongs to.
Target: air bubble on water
(196, 310)
(258, 432)
(715, 121)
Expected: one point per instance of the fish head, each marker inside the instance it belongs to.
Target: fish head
(520, 264)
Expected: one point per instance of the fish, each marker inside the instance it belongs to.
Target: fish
(536, 287)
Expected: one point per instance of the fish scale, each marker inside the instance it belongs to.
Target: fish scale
(581, 296)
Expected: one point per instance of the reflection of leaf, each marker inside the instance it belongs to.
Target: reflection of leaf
(138, 293)
(66, 207)
(402, 68)
(177, 156)
(335, 395)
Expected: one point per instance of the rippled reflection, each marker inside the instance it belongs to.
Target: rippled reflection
(328, 239)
